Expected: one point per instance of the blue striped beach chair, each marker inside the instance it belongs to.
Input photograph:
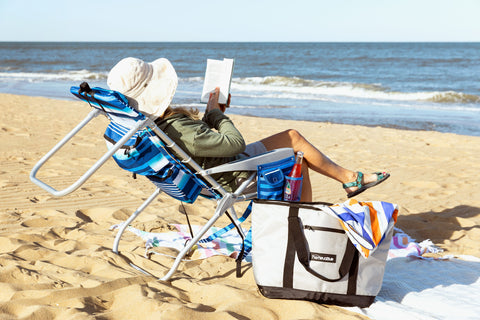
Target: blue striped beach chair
(137, 144)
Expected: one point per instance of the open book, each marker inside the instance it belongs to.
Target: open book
(217, 74)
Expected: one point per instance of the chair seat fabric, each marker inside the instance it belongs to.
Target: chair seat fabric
(180, 185)
(146, 155)
(142, 154)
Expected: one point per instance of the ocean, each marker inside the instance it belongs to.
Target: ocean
(416, 86)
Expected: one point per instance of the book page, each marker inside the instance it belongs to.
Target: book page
(217, 74)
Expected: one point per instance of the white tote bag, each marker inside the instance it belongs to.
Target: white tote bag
(301, 251)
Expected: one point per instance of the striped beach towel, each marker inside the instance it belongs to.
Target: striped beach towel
(228, 244)
(366, 223)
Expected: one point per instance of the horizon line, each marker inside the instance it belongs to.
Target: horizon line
(242, 41)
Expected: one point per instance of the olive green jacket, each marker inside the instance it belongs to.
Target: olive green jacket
(210, 142)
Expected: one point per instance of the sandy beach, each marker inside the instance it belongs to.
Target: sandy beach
(55, 253)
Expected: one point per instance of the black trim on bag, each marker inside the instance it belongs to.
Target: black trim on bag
(317, 228)
(345, 300)
(352, 274)
(295, 233)
(289, 262)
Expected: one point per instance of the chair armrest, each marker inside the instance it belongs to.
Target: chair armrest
(251, 163)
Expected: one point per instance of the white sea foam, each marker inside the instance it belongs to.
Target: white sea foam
(75, 75)
(296, 88)
(276, 87)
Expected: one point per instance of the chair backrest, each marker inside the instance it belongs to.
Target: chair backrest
(112, 103)
(144, 153)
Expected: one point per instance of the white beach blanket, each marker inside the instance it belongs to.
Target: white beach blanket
(418, 287)
(428, 289)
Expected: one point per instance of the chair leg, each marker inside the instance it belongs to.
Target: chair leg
(232, 215)
(225, 203)
(134, 215)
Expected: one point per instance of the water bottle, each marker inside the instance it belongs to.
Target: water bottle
(293, 182)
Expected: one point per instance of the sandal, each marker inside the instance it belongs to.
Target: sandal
(381, 176)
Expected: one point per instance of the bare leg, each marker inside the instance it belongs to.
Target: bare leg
(314, 159)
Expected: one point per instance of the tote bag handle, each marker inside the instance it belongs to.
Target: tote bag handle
(296, 232)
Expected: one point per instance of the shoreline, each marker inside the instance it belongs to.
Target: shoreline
(56, 253)
(386, 126)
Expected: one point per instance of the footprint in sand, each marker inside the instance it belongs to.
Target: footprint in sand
(15, 131)
(95, 214)
(92, 189)
(39, 199)
(122, 214)
(52, 221)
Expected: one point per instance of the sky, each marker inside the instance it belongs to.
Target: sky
(240, 20)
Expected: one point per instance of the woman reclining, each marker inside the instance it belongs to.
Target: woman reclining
(214, 139)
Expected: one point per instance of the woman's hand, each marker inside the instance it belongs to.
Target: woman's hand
(213, 101)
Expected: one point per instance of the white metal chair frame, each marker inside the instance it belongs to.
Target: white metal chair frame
(225, 203)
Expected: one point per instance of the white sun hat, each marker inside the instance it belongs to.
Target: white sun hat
(149, 87)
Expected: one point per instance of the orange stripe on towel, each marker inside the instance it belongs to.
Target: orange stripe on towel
(375, 225)
(352, 202)
(366, 252)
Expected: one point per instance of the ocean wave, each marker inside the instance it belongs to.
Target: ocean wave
(298, 88)
(280, 82)
(454, 97)
(75, 75)
(275, 87)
